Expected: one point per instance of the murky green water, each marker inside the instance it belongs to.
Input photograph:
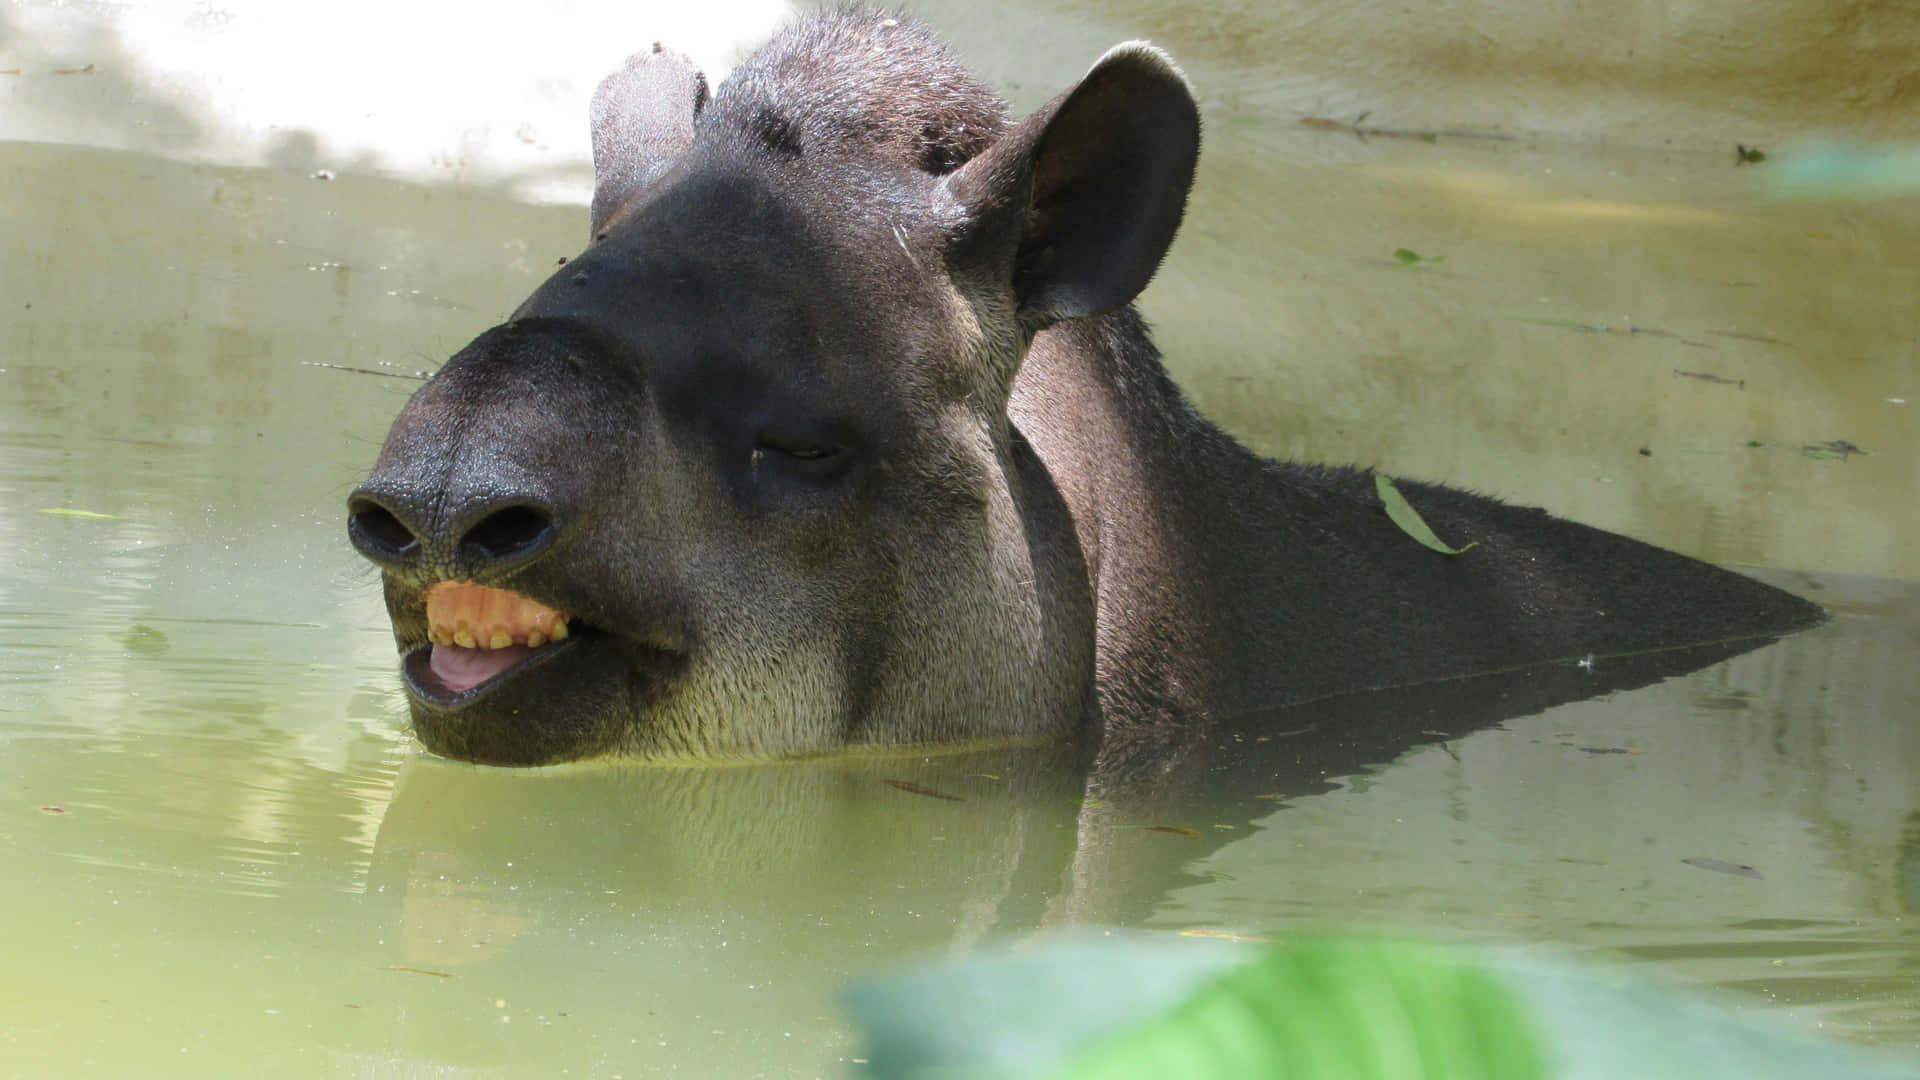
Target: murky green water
(218, 849)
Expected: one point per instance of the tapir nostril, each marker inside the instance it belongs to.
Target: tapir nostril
(509, 533)
(377, 532)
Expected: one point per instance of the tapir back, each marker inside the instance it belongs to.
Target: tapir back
(1229, 584)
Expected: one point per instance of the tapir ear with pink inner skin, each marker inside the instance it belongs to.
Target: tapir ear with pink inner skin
(642, 118)
(1076, 206)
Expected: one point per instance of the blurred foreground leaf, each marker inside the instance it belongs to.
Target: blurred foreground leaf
(84, 515)
(1330, 1008)
(1409, 519)
(1320, 1008)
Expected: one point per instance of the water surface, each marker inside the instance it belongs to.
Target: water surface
(218, 846)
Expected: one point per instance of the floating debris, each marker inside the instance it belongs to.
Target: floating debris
(1836, 450)
(1358, 129)
(1410, 257)
(1744, 336)
(1721, 866)
(418, 376)
(1613, 331)
(1709, 377)
(82, 515)
(1748, 155)
(920, 789)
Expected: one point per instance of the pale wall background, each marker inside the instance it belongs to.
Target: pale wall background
(495, 95)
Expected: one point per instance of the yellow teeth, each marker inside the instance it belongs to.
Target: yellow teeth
(478, 617)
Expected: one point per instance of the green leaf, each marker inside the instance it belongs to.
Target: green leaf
(144, 639)
(1409, 519)
(85, 515)
(1410, 257)
(1357, 1010)
(1144, 1007)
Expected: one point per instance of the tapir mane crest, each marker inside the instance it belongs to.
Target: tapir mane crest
(859, 84)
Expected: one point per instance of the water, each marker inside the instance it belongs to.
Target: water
(220, 850)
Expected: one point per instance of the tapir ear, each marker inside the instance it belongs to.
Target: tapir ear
(1086, 194)
(642, 122)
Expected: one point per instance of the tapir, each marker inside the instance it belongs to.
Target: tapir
(841, 432)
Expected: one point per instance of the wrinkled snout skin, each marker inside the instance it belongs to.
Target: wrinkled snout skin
(841, 432)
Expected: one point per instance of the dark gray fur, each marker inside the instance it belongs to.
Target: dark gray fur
(842, 433)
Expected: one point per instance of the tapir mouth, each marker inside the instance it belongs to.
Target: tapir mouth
(479, 636)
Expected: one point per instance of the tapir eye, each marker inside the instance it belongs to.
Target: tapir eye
(812, 457)
(798, 449)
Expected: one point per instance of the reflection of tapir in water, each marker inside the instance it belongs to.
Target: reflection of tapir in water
(842, 433)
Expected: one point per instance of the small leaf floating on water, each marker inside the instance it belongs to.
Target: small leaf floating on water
(1409, 519)
(920, 789)
(53, 810)
(82, 515)
(1744, 336)
(1173, 829)
(1834, 450)
(1710, 377)
(1410, 257)
(144, 639)
(1721, 866)
(420, 971)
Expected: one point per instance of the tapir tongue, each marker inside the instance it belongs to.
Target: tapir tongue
(460, 669)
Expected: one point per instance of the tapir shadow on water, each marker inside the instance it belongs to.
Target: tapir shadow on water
(841, 432)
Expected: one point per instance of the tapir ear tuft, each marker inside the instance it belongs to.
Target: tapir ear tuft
(642, 119)
(1086, 194)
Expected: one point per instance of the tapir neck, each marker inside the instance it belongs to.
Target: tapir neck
(1122, 446)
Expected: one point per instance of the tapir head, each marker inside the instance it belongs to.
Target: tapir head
(740, 479)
